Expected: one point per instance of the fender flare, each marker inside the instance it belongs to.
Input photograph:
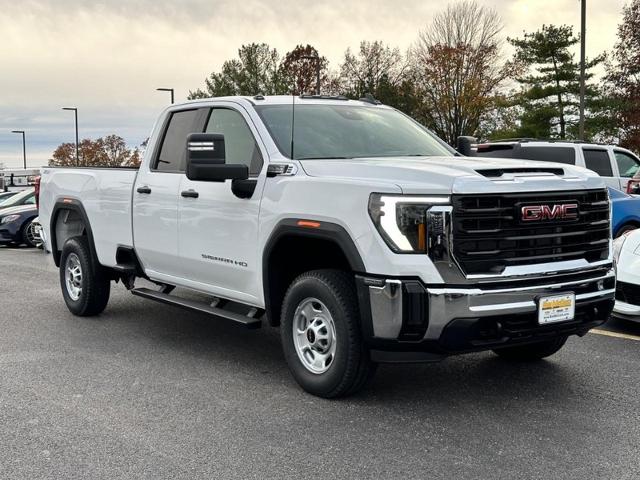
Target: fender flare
(76, 206)
(326, 231)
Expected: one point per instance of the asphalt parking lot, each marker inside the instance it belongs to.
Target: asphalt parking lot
(149, 391)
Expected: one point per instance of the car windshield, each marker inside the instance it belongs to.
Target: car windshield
(348, 131)
(17, 199)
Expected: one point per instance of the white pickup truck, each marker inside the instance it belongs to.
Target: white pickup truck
(347, 224)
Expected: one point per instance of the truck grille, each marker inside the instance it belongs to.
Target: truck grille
(489, 234)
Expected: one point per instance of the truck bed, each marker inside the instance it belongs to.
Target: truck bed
(105, 194)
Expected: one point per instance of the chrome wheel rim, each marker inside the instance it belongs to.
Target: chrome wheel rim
(32, 236)
(314, 335)
(73, 276)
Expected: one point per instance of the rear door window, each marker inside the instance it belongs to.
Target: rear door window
(566, 155)
(495, 151)
(627, 164)
(598, 161)
(172, 156)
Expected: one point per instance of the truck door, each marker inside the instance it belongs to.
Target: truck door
(156, 193)
(218, 230)
(598, 160)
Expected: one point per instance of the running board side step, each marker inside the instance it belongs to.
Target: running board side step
(244, 320)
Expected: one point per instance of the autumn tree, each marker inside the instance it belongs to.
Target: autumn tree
(458, 69)
(375, 68)
(299, 69)
(502, 120)
(551, 85)
(109, 151)
(255, 71)
(622, 82)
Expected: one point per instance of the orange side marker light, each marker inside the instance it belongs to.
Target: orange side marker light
(308, 224)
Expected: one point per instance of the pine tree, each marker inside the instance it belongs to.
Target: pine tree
(550, 90)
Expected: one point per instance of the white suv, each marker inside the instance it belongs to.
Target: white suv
(614, 164)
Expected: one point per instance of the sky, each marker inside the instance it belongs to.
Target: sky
(107, 57)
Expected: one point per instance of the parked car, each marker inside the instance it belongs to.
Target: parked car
(363, 237)
(614, 164)
(23, 197)
(17, 227)
(626, 252)
(625, 211)
(5, 195)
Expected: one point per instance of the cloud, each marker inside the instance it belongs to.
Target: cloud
(108, 57)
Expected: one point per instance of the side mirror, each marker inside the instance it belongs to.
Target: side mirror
(463, 145)
(206, 159)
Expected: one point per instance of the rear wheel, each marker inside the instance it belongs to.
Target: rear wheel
(321, 335)
(85, 285)
(532, 351)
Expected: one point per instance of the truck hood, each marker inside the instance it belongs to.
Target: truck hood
(444, 175)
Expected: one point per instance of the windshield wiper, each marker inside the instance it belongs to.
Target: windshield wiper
(414, 155)
(325, 158)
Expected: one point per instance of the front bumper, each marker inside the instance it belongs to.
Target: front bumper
(627, 304)
(626, 311)
(9, 234)
(410, 318)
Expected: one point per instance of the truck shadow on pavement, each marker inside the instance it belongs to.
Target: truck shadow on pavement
(256, 355)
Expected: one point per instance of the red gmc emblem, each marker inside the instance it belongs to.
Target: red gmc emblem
(535, 213)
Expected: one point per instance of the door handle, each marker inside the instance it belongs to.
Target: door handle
(190, 194)
(144, 189)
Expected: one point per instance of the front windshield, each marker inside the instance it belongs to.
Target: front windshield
(348, 131)
(16, 199)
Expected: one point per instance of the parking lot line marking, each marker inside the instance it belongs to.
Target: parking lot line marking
(608, 333)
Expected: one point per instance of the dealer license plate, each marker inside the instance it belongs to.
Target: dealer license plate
(558, 308)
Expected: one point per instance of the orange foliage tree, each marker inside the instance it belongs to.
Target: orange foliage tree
(109, 151)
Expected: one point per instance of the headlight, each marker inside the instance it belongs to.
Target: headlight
(410, 224)
(9, 219)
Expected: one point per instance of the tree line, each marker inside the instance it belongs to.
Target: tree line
(457, 80)
(108, 151)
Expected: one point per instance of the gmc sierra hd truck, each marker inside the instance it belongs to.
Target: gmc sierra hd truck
(358, 232)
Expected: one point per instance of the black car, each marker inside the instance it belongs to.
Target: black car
(25, 197)
(17, 225)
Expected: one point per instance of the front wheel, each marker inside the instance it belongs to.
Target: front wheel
(85, 286)
(321, 337)
(625, 229)
(532, 351)
(29, 234)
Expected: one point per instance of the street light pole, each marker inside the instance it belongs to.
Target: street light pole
(75, 111)
(583, 31)
(317, 59)
(24, 147)
(166, 90)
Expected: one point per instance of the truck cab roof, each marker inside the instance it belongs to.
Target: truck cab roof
(288, 100)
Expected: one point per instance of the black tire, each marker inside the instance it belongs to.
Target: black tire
(625, 229)
(532, 351)
(26, 238)
(95, 284)
(351, 367)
